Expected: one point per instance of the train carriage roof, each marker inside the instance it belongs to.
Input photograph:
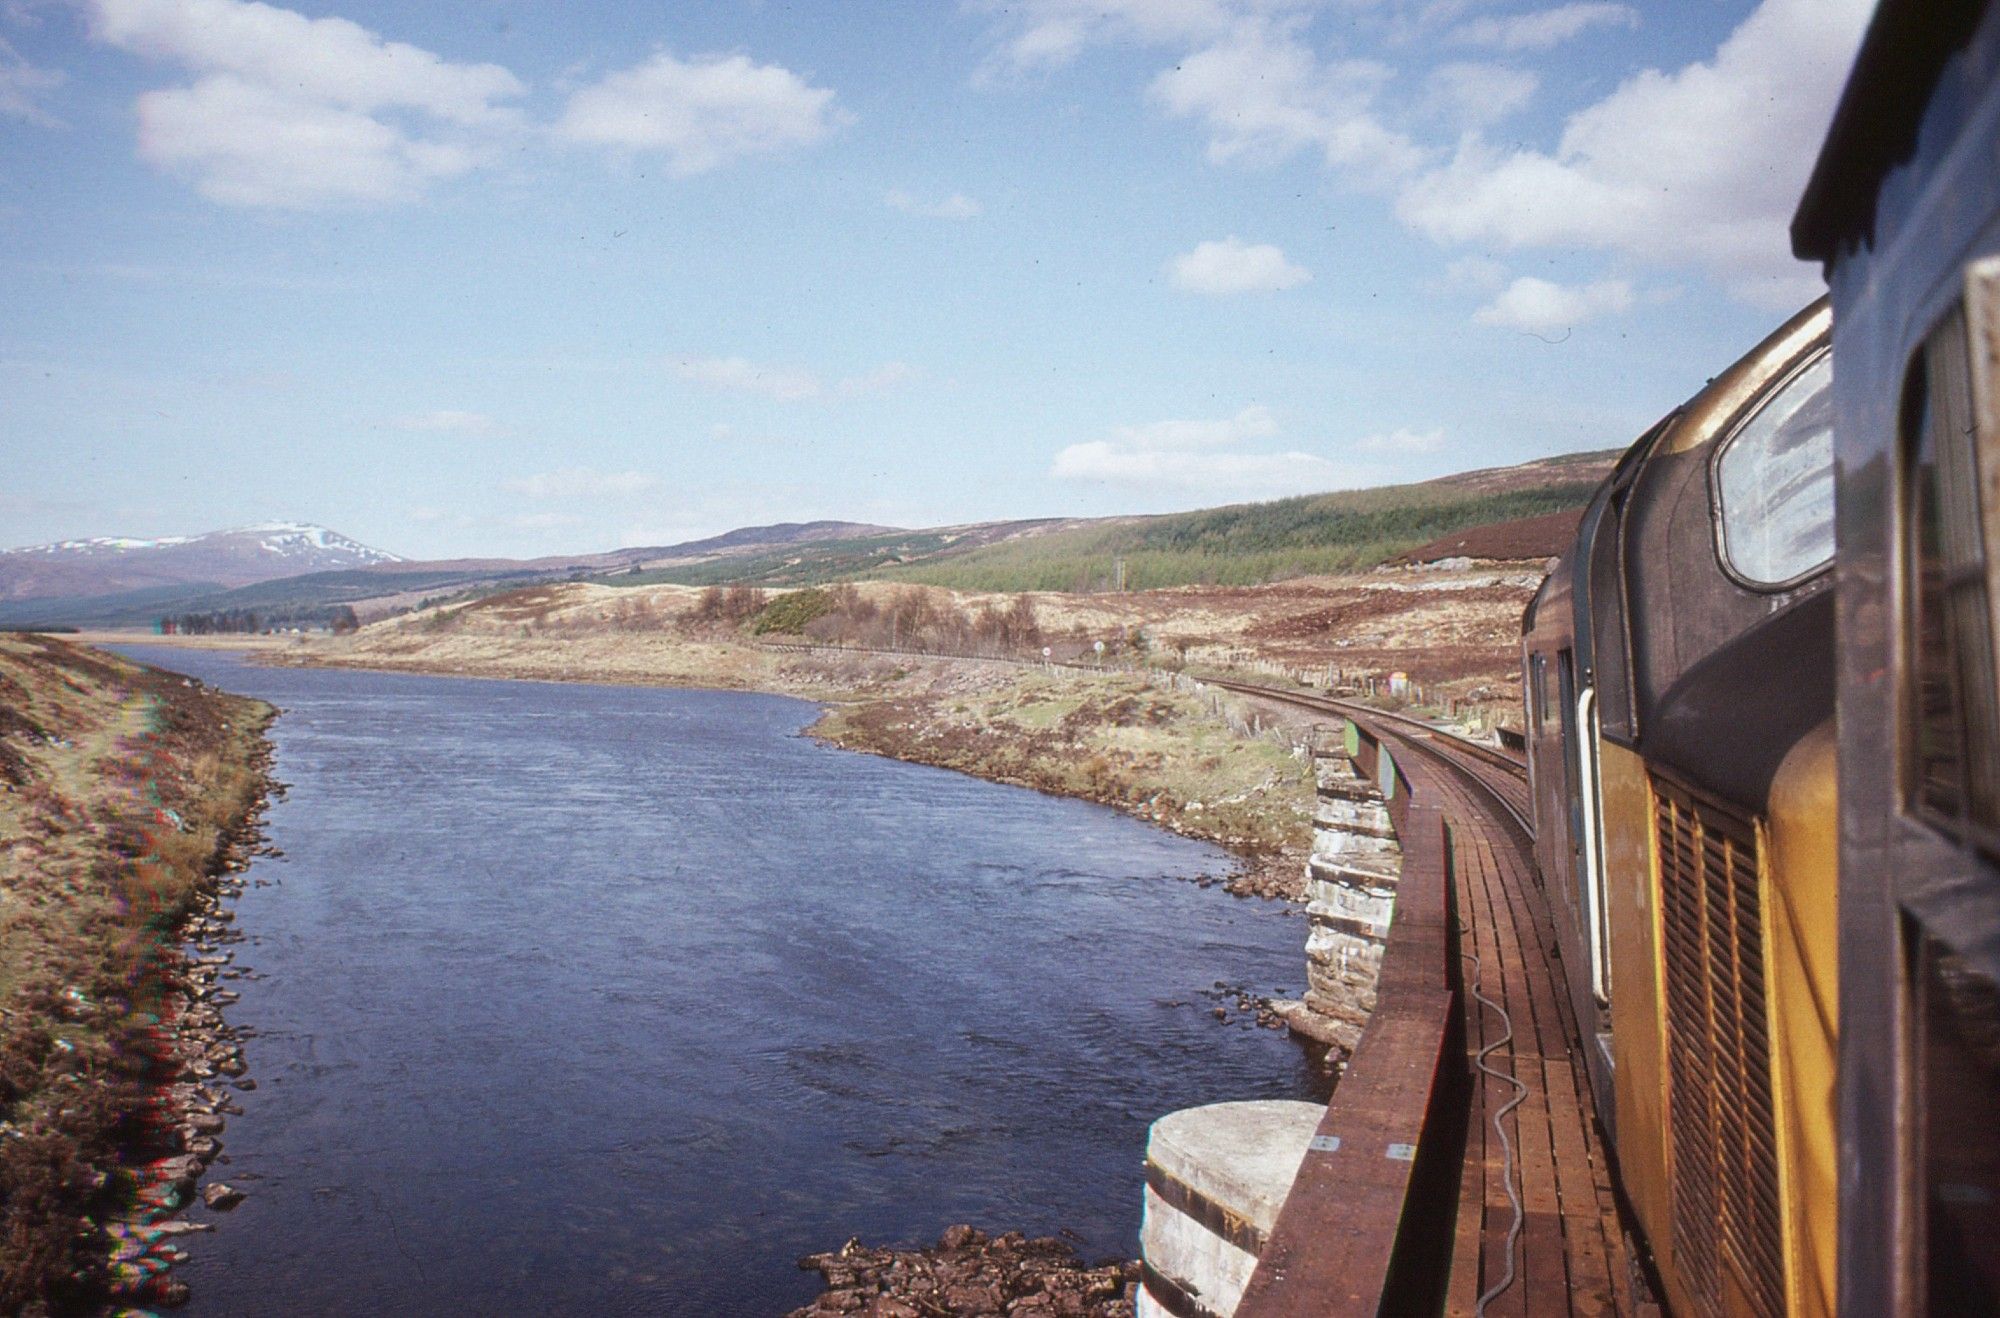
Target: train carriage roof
(1875, 127)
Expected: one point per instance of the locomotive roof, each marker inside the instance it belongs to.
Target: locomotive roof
(1875, 127)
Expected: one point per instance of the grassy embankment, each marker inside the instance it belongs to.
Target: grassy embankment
(1117, 738)
(120, 786)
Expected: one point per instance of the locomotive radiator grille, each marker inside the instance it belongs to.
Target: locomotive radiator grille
(1721, 1121)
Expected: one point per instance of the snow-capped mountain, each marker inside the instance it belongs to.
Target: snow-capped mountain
(102, 565)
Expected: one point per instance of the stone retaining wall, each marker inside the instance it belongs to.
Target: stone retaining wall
(1351, 879)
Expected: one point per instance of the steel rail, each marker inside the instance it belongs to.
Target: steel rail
(1447, 747)
(1433, 738)
(1333, 704)
(1490, 754)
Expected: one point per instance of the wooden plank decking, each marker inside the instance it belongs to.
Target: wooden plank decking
(1570, 1254)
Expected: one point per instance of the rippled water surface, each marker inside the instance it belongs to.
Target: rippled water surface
(575, 999)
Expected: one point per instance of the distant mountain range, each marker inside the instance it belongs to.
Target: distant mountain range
(218, 560)
(289, 574)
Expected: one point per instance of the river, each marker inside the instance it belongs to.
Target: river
(597, 999)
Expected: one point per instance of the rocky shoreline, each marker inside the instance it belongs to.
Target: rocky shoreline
(969, 1273)
(198, 1065)
(195, 1066)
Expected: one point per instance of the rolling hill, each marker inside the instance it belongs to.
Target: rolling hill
(1236, 545)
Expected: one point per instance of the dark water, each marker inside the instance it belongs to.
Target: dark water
(577, 999)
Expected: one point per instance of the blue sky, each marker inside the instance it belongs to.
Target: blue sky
(512, 279)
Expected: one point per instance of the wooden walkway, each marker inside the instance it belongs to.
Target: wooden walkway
(1571, 1254)
(1352, 1246)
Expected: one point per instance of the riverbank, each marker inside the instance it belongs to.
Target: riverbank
(124, 793)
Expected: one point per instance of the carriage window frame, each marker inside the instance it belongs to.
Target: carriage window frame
(1957, 659)
(1718, 508)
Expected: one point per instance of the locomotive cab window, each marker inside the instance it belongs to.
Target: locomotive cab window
(1774, 483)
(1953, 718)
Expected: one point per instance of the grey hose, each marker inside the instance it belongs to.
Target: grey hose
(1506, 1145)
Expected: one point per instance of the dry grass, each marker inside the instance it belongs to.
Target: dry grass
(125, 783)
(1120, 739)
(1446, 628)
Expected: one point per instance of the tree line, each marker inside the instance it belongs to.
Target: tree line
(337, 618)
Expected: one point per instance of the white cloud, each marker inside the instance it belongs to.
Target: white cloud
(322, 59)
(957, 206)
(22, 87)
(1198, 457)
(1265, 95)
(883, 378)
(787, 384)
(1536, 306)
(581, 483)
(1243, 70)
(245, 145)
(1545, 27)
(739, 375)
(701, 113)
(1402, 440)
(1234, 266)
(1253, 422)
(447, 421)
(1698, 167)
(294, 112)
(1042, 34)
(1476, 272)
(1473, 95)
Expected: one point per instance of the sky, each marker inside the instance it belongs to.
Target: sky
(497, 278)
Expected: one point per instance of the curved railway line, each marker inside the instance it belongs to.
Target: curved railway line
(1463, 1169)
(1502, 775)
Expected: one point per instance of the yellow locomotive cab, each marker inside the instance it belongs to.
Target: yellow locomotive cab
(1803, 879)
(1679, 670)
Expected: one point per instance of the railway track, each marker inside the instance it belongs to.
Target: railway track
(1470, 1067)
(1503, 777)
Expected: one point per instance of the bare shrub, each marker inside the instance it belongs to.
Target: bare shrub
(636, 614)
(730, 604)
